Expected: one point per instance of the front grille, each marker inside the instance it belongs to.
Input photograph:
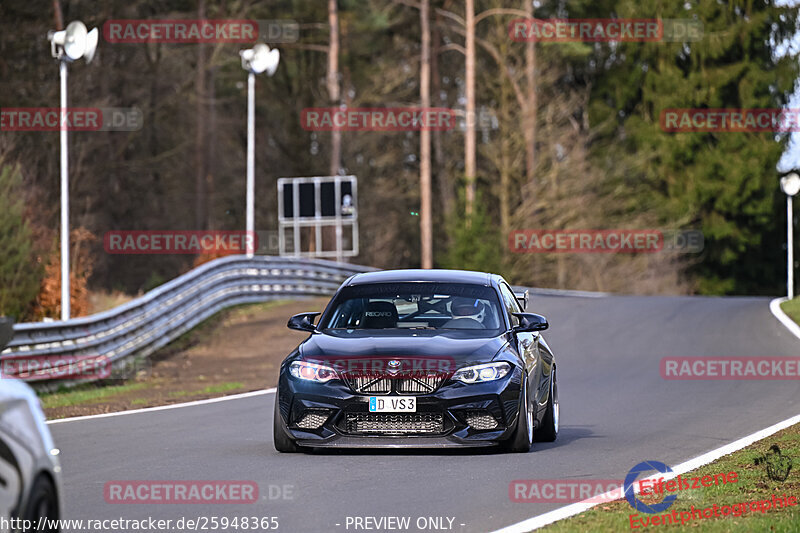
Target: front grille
(480, 420)
(394, 423)
(313, 419)
(409, 383)
(422, 384)
(366, 384)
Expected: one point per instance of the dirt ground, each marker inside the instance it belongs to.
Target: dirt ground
(238, 350)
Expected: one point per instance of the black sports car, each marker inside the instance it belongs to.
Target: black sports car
(419, 358)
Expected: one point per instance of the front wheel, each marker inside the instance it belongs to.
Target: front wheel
(522, 438)
(43, 503)
(549, 430)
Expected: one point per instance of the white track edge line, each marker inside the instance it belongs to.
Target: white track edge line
(777, 312)
(166, 407)
(576, 508)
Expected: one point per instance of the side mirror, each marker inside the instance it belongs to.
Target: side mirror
(530, 322)
(302, 322)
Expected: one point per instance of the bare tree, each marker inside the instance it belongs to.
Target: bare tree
(201, 160)
(58, 14)
(469, 93)
(333, 83)
(425, 225)
(530, 102)
(466, 27)
(445, 187)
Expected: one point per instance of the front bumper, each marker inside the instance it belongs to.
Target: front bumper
(453, 406)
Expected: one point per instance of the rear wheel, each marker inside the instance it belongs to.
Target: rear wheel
(283, 443)
(43, 503)
(522, 438)
(549, 430)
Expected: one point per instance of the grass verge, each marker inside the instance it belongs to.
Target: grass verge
(213, 389)
(792, 308)
(753, 484)
(88, 394)
(203, 331)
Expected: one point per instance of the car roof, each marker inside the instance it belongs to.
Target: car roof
(424, 275)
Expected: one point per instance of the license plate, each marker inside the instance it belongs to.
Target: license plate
(392, 404)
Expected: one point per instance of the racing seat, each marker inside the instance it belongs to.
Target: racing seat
(467, 314)
(380, 315)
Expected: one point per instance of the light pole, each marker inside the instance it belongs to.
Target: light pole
(790, 185)
(68, 45)
(255, 61)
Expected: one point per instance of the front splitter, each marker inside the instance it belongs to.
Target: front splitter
(393, 442)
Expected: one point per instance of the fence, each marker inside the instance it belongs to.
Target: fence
(141, 326)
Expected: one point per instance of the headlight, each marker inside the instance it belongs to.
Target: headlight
(481, 373)
(312, 371)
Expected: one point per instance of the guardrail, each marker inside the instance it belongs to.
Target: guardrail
(140, 327)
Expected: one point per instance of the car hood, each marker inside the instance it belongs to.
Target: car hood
(462, 347)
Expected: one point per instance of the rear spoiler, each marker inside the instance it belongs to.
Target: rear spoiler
(522, 298)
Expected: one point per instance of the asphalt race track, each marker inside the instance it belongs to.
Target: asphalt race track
(616, 411)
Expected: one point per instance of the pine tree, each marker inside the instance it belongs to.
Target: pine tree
(723, 183)
(19, 272)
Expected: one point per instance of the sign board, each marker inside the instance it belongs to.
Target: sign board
(318, 216)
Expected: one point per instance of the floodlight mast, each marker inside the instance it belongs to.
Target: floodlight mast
(65, 285)
(66, 46)
(790, 185)
(255, 61)
(251, 163)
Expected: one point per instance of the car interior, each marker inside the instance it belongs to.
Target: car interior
(415, 312)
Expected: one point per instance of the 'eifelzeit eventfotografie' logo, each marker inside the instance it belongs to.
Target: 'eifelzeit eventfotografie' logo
(777, 465)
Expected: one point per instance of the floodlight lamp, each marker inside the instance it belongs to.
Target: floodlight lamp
(74, 42)
(91, 45)
(790, 184)
(260, 59)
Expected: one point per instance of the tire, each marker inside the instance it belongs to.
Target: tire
(43, 502)
(549, 430)
(521, 440)
(283, 443)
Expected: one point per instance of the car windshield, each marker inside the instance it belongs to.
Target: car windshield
(441, 306)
